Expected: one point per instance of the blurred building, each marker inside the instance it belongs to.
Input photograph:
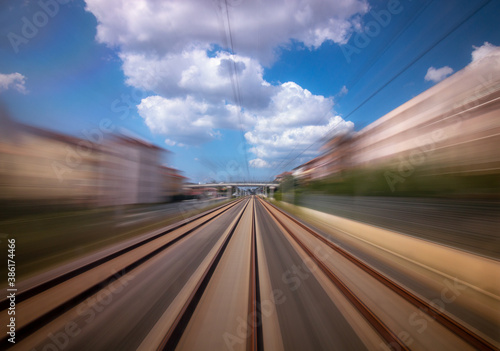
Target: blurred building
(130, 172)
(42, 167)
(333, 160)
(173, 183)
(282, 176)
(451, 128)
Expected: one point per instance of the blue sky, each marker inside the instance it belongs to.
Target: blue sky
(167, 72)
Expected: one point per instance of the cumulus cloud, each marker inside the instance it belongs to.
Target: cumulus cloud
(294, 119)
(197, 99)
(257, 27)
(259, 163)
(275, 145)
(14, 81)
(438, 74)
(188, 120)
(487, 49)
(199, 87)
(193, 72)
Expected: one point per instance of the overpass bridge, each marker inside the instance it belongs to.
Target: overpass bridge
(235, 184)
(230, 185)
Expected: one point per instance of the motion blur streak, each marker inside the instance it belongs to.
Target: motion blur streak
(442, 142)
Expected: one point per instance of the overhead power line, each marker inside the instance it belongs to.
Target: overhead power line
(405, 68)
(235, 85)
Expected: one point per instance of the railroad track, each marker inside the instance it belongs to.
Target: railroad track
(220, 305)
(186, 332)
(40, 303)
(178, 335)
(469, 336)
(255, 335)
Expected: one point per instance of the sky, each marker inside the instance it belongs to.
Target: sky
(237, 90)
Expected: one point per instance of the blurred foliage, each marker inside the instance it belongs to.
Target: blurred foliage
(278, 195)
(388, 182)
(52, 235)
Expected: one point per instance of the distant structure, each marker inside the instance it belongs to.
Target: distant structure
(451, 128)
(173, 183)
(38, 165)
(44, 167)
(130, 172)
(280, 177)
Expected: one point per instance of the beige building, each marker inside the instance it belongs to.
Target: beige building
(130, 172)
(451, 128)
(42, 167)
(173, 183)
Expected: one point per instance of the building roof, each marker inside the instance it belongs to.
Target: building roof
(123, 139)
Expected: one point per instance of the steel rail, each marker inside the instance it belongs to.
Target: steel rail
(174, 334)
(255, 340)
(38, 288)
(384, 331)
(462, 331)
(64, 306)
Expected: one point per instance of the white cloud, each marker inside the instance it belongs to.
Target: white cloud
(293, 106)
(178, 51)
(487, 49)
(257, 27)
(14, 81)
(274, 145)
(193, 72)
(187, 120)
(190, 121)
(438, 74)
(259, 163)
(295, 119)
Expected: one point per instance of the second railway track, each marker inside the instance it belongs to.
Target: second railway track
(38, 304)
(237, 295)
(463, 332)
